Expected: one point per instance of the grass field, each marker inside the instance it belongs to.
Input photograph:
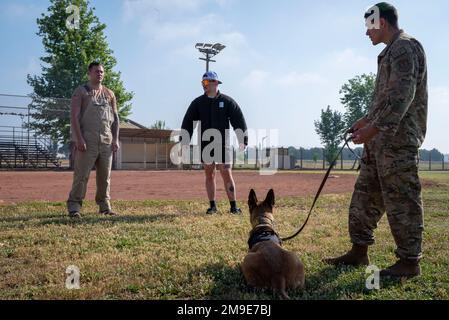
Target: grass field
(171, 250)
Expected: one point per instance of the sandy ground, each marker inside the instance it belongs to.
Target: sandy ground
(183, 185)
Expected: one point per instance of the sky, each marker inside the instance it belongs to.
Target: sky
(284, 62)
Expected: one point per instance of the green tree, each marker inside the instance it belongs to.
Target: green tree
(434, 155)
(68, 52)
(159, 125)
(357, 97)
(330, 129)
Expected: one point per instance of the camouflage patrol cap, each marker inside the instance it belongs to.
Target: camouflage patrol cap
(384, 10)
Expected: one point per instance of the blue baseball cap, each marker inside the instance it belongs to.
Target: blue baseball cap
(211, 75)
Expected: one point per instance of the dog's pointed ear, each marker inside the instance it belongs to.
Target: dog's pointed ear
(270, 199)
(252, 199)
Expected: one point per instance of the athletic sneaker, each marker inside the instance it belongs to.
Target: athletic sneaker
(212, 210)
(74, 215)
(236, 211)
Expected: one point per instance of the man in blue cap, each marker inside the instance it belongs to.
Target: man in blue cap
(215, 112)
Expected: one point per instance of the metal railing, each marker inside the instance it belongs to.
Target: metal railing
(20, 148)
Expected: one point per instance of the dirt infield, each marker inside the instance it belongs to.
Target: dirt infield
(177, 185)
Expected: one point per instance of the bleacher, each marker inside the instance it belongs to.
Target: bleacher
(19, 152)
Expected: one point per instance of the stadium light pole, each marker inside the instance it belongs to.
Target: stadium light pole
(209, 51)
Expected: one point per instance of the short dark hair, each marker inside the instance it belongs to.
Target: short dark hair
(94, 64)
(388, 12)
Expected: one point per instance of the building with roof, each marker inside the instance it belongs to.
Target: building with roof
(142, 148)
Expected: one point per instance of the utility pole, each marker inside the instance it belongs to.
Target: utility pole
(209, 51)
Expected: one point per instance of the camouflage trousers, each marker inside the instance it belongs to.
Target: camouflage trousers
(389, 182)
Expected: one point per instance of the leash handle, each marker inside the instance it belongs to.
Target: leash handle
(323, 183)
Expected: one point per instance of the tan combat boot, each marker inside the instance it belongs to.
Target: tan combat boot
(357, 256)
(402, 269)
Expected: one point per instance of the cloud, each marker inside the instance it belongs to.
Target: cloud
(330, 72)
(349, 55)
(136, 9)
(176, 26)
(164, 9)
(174, 23)
(296, 79)
(259, 79)
(202, 28)
(256, 79)
(172, 31)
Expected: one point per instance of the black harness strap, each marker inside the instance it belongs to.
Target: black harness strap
(263, 234)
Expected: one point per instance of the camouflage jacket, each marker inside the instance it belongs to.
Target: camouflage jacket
(399, 106)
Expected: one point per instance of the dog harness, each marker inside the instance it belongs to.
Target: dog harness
(263, 234)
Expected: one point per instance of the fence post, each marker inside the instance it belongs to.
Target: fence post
(157, 150)
(166, 155)
(283, 158)
(442, 167)
(324, 160)
(430, 161)
(28, 138)
(300, 155)
(15, 151)
(191, 156)
(257, 157)
(37, 152)
(341, 157)
(144, 154)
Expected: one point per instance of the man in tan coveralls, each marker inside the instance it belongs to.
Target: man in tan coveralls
(95, 132)
(392, 132)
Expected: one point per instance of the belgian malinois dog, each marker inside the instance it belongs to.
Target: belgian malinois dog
(267, 264)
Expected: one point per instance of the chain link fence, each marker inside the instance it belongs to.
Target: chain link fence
(23, 145)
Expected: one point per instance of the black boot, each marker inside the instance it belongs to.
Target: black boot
(357, 256)
(74, 215)
(402, 269)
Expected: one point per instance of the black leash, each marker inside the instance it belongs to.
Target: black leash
(345, 144)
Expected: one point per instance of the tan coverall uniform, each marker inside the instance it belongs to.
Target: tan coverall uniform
(96, 118)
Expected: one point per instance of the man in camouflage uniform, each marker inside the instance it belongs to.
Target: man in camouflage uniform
(392, 132)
